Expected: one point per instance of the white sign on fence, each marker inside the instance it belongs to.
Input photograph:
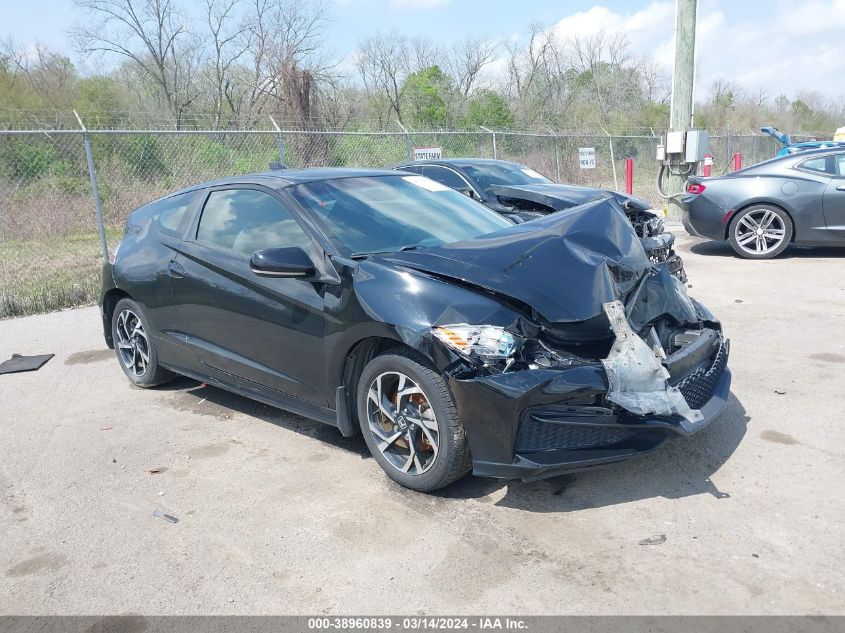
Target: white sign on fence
(587, 157)
(428, 153)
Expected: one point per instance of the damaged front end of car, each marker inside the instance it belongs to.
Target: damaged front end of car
(604, 357)
(533, 201)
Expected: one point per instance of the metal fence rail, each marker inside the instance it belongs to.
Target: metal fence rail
(65, 194)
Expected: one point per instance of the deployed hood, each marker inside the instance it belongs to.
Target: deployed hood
(565, 265)
(560, 197)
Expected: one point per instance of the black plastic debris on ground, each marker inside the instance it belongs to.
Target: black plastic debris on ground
(18, 363)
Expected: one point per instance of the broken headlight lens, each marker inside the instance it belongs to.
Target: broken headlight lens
(487, 341)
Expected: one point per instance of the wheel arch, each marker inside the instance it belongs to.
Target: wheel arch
(770, 203)
(110, 300)
(357, 357)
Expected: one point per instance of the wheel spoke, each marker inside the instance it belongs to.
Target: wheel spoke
(748, 223)
(402, 395)
(767, 219)
(388, 441)
(381, 401)
(412, 454)
(746, 238)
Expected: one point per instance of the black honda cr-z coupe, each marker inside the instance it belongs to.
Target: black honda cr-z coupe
(388, 304)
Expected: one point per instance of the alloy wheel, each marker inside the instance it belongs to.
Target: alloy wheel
(133, 347)
(760, 232)
(402, 422)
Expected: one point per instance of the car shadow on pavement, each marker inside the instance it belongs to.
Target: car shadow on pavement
(723, 249)
(209, 400)
(681, 467)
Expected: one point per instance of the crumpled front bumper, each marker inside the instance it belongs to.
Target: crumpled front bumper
(535, 424)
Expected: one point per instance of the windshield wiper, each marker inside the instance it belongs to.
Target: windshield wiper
(409, 247)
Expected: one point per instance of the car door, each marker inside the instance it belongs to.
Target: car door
(267, 330)
(834, 198)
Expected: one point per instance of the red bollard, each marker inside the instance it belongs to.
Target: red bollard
(708, 165)
(629, 175)
(737, 161)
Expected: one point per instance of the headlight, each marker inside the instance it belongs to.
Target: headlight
(488, 341)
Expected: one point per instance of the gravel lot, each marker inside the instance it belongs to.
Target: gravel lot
(278, 514)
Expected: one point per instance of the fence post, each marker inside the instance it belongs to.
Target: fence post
(409, 148)
(495, 149)
(612, 160)
(557, 152)
(281, 141)
(95, 191)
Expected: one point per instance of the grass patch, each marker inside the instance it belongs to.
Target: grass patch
(47, 274)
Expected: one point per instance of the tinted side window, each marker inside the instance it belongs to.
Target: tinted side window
(246, 220)
(840, 164)
(822, 164)
(444, 177)
(169, 213)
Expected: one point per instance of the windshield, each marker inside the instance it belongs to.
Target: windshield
(381, 214)
(486, 175)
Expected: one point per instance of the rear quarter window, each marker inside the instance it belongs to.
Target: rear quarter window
(169, 214)
(819, 165)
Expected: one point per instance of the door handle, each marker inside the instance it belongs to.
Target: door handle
(841, 188)
(175, 270)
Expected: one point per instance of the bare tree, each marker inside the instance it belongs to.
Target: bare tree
(151, 33)
(284, 43)
(525, 63)
(227, 47)
(656, 83)
(466, 59)
(383, 62)
(44, 72)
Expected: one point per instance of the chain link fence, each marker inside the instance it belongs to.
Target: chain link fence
(52, 244)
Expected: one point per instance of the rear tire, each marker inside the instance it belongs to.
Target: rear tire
(135, 347)
(412, 430)
(761, 231)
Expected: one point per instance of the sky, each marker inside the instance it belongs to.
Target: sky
(779, 46)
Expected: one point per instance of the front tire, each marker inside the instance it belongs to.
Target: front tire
(760, 232)
(409, 421)
(135, 347)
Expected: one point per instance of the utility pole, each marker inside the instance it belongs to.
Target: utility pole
(683, 77)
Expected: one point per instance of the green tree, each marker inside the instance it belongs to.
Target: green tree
(422, 96)
(489, 109)
(99, 98)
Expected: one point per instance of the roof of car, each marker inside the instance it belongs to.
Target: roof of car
(457, 162)
(280, 178)
(816, 151)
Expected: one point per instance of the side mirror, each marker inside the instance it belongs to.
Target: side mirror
(282, 262)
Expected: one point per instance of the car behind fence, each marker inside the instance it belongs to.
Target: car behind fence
(65, 194)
